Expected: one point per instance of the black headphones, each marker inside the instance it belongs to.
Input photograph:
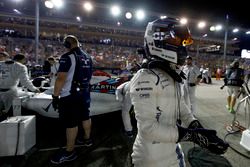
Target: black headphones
(66, 43)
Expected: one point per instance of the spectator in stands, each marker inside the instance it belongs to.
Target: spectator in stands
(10, 75)
(234, 78)
(123, 95)
(193, 77)
(72, 97)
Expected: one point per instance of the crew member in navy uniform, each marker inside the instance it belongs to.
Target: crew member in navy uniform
(11, 73)
(163, 120)
(234, 79)
(72, 96)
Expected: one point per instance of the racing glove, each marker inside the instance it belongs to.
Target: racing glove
(55, 102)
(205, 138)
(195, 124)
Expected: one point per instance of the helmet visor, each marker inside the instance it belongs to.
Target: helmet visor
(177, 35)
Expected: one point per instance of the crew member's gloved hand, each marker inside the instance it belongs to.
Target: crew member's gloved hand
(205, 138)
(55, 102)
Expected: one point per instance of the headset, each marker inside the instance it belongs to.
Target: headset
(67, 42)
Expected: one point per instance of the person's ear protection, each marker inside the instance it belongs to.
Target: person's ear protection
(66, 44)
(69, 41)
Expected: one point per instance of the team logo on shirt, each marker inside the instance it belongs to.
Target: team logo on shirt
(144, 89)
(164, 83)
(144, 95)
(142, 82)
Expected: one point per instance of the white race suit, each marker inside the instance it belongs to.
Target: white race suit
(10, 75)
(157, 106)
(123, 95)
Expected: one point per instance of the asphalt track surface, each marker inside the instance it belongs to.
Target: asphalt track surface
(113, 149)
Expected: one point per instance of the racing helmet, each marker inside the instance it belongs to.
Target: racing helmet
(166, 39)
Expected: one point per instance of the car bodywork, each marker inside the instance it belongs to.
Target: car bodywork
(102, 93)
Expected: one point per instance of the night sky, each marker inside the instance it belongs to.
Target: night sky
(211, 10)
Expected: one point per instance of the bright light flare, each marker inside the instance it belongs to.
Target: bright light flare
(140, 14)
(17, 11)
(204, 36)
(201, 25)
(163, 17)
(58, 3)
(49, 4)
(183, 21)
(119, 23)
(115, 10)
(128, 15)
(212, 28)
(218, 27)
(78, 18)
(88, 6)
(235, 30)
(17, 0)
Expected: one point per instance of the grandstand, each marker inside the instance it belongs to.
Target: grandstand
(111, 45)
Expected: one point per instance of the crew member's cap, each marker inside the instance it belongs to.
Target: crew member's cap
(189, 57)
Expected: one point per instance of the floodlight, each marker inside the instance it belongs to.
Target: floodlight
(115, 10)
(212, 28)
(201, 24)
(88, 6)
(128, 15)
(235, 30)
(17, 11)
(183, 20)
(119, 23)
(140, 15)
(17, 0)
(49, 4)
(58, 3)
(218, 27)
(204, 35)
(163, 17)
(78, 18)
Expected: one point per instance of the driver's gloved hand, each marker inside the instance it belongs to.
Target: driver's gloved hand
(205, 138)
(195, 124)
